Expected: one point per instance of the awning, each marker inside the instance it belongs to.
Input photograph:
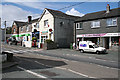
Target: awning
(27, 35)
(15, 35)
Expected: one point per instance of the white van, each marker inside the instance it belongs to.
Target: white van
(88, 46)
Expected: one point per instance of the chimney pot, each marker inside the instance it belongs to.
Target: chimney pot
(29, 19)
(108, 8)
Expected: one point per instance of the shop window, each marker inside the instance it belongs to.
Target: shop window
(95, 24)
(112, 22)
(43, 38)
(115, 41)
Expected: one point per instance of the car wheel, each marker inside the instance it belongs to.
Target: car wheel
(97, 52)
(82, 51)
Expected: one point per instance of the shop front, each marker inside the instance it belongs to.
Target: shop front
(107, 40)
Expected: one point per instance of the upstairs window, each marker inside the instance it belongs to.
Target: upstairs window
(95, 24)
(78, 25)
(21, 29)
(27, 28)
(46, 23)
(112, 22)
(14, 30)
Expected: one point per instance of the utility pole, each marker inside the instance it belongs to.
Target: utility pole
(5, 31)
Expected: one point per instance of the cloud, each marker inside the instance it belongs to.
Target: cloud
(74, 12)
(11, 13)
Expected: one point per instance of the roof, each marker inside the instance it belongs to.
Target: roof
(100, 15)
(19, 23)
(60, 14)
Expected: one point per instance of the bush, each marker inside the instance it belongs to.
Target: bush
(34, 38)
(49, 41)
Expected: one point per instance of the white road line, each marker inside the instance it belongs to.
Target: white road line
(33, 73)
(66, 69)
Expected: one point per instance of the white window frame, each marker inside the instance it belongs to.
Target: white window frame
(112, 19)
(93, 24)
(21, 29)
(27, 28)
(78, 26)
(46, 23)
(14, 30)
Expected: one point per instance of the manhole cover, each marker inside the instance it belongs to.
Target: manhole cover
(48, 73)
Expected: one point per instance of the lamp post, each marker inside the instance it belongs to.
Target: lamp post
(5, 31)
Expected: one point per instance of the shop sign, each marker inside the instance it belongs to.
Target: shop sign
(99, 35)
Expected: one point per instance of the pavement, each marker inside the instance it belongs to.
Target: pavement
(7, 64)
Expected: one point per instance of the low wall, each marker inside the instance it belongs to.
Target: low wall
(48, 46)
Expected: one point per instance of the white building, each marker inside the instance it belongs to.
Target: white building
(57, 26)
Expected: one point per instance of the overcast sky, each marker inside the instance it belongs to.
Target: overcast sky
(20, 10)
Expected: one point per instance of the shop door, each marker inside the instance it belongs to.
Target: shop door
(107, 43)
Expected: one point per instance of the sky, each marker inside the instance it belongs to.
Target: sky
(19, 11)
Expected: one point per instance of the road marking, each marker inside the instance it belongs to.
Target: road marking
(66, 69)
(33, 73)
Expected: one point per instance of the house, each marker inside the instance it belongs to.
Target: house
(101, 27)
(57, 26)
(26, 31)
(22, 31)
(15, 28)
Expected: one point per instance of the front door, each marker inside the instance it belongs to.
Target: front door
(107, 42)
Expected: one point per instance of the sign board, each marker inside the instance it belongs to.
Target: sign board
(99, 35)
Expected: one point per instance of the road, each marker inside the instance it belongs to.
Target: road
(36, 63)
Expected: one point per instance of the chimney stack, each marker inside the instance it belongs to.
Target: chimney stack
(29, 19)
(108, 8)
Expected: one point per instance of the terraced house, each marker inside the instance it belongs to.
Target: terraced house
(23, 31)
(101, 27)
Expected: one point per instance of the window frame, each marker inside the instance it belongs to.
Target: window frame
(14, 30)
(79, 25)
(93, 24)
(21, 29)
(27, 28)
(112, 19)
(46, 24)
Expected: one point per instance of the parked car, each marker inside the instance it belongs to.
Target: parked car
(88, 46)
(12, 41)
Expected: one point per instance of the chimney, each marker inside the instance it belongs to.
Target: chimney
(108, 8)
(29, 19)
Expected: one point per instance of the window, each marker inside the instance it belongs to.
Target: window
(21, 28)
(27, 28)
(37, 24)
(78, 25)
(112, 22)
(46, 23)
(14, 30)
(95, 24)
(90, 46)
